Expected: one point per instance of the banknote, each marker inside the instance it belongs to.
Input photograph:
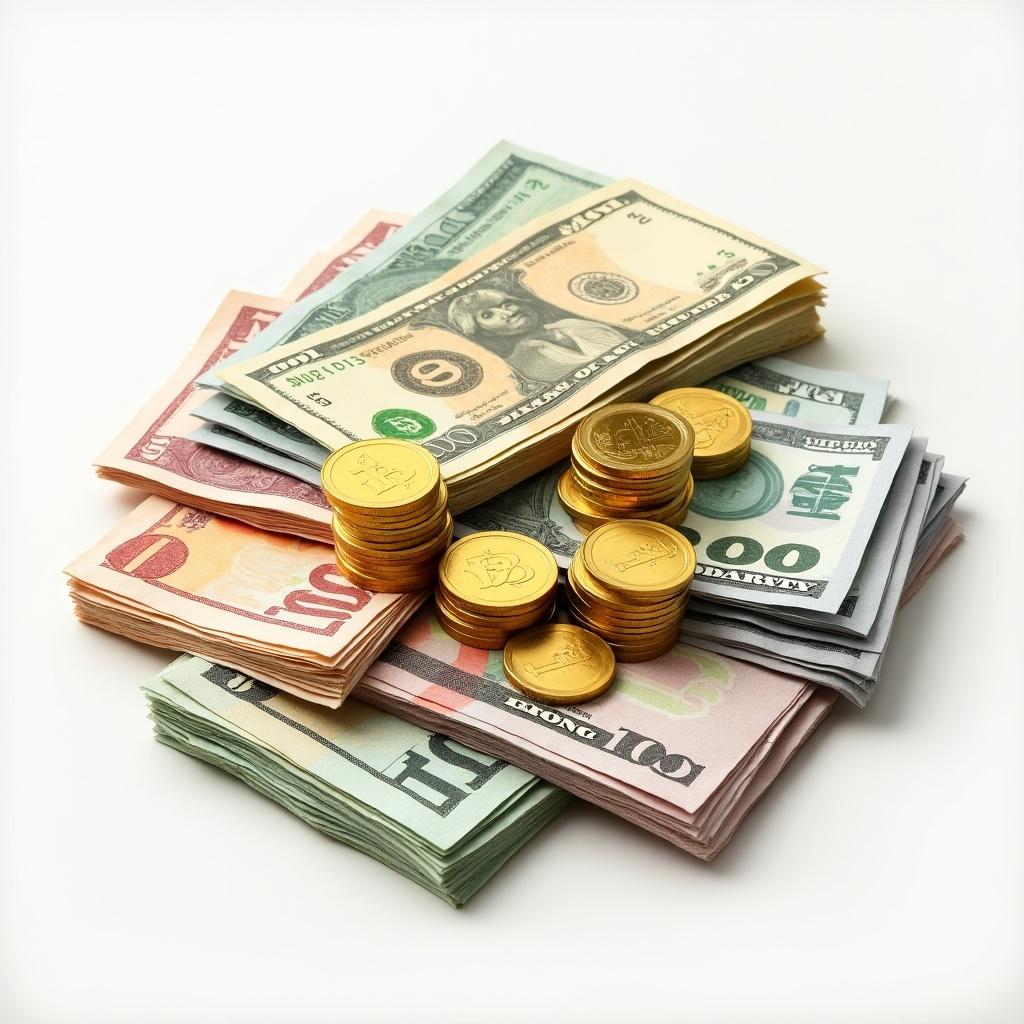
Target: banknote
(156, 453)
(852, 664)
(507, 188)
(805, 392)
(525, 333)
(680, 745)
(263, 603)
(440, 813)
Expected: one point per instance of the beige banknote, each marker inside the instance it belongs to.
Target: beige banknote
(624, 288)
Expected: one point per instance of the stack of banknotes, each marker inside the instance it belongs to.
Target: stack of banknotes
(798, 569)
(445, 816)
(487, 328)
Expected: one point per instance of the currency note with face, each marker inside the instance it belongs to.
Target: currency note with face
(518, 338)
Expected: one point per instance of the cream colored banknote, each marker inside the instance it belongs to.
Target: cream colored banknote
(528, 332)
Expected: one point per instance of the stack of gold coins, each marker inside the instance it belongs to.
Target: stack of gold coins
(721, 426)
(629, 461)
(559, 663)
(629, 582)
(493, 584)
(391, 522)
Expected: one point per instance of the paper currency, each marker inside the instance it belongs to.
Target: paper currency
(155, 451)
(437, 812)
(506, 189)
(805, 392)
(491, 365)
(822, 645)
(682, 746)
(268, 605)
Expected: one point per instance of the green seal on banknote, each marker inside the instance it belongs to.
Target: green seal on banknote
(406, 424)
(752, 490)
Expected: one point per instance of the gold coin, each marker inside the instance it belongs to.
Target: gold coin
(380, 474)
(637, 556)
(631, 440)
(406, 584)
(431, 548)
(593, 591)
(721, 425)
(472, 638)
(373, 524)
(494, 570)
(506, 622)
(626, 653)
(603, 618)
(559, 664)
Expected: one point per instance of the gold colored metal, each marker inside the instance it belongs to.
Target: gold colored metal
(722, 428)
(385, 475)
(496, 571)
(559, 664)
(639, 557)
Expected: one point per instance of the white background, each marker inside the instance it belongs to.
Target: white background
(155, 157)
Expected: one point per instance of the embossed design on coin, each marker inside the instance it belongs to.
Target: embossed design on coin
(496, 568)
(636, 438)
(496, 571)
(437, 372)
(603, 287)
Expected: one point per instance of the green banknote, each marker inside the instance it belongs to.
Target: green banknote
(508, 187)
(443, 815)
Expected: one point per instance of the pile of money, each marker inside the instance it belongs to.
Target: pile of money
(734, 553)
(267, 605)
(629, 461)
(437, 812)
(804, 552)
(493, 585)
(391, 522)
(721, 426)
(629, 582)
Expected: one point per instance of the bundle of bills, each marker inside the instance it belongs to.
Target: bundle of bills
(682, 746)
(265, 604)
(439, 813)
(804, 553)
(602, 296)
(164, 451)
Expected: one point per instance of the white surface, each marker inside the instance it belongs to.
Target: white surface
(155, 160)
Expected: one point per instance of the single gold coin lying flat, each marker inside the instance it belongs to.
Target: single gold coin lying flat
(380, 474)
(633, 439)
(497, 569)
(639, 556)
(559, 664)
(721, 425)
